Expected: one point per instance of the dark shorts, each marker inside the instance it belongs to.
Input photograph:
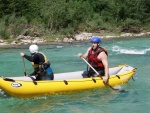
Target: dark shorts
(92, 73)
(44, 76)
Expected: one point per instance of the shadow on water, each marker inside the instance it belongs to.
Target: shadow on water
(120, 96)
(123, 92)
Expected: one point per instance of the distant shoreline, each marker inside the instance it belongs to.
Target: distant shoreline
(23, 41)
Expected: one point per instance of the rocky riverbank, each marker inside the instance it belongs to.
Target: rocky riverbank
(27, 40)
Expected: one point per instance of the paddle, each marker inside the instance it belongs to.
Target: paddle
(99, 75)
(24, 66)
(25, 72)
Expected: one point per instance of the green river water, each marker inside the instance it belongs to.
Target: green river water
(63, 57)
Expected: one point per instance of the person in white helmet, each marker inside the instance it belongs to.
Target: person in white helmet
(40, 63)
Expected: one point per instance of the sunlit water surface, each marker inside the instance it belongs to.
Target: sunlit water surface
(63, 58)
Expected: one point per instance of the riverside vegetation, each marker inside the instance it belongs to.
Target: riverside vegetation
(51, 19)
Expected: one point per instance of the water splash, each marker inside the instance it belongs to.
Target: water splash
(129, 51)
(59, 46)
(1, 92)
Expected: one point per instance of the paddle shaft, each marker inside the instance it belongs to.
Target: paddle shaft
(24, 66)
(35, 83)
(98, 74)
(91, 67)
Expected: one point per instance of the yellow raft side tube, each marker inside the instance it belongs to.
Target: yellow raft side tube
(28, 89)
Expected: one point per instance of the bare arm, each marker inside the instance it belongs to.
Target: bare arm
(85, 55)
(104, 58)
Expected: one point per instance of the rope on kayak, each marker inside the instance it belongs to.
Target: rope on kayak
(135, 76)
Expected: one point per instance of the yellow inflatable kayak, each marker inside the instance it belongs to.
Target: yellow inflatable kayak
(27, 87)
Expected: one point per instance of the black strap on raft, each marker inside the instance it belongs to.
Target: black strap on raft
(94, 80)
(9, 79)
(65, 82)
(118, 76)
(35, 83)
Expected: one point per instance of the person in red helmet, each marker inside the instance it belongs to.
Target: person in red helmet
(98, 58)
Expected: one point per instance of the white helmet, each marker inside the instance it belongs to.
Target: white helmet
(33, 49)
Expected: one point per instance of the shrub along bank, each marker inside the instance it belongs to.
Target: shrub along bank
(51, 19)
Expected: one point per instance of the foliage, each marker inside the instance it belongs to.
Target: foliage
(67, 17)
(3, 31)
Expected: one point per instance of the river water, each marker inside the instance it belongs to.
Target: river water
(63, 58)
